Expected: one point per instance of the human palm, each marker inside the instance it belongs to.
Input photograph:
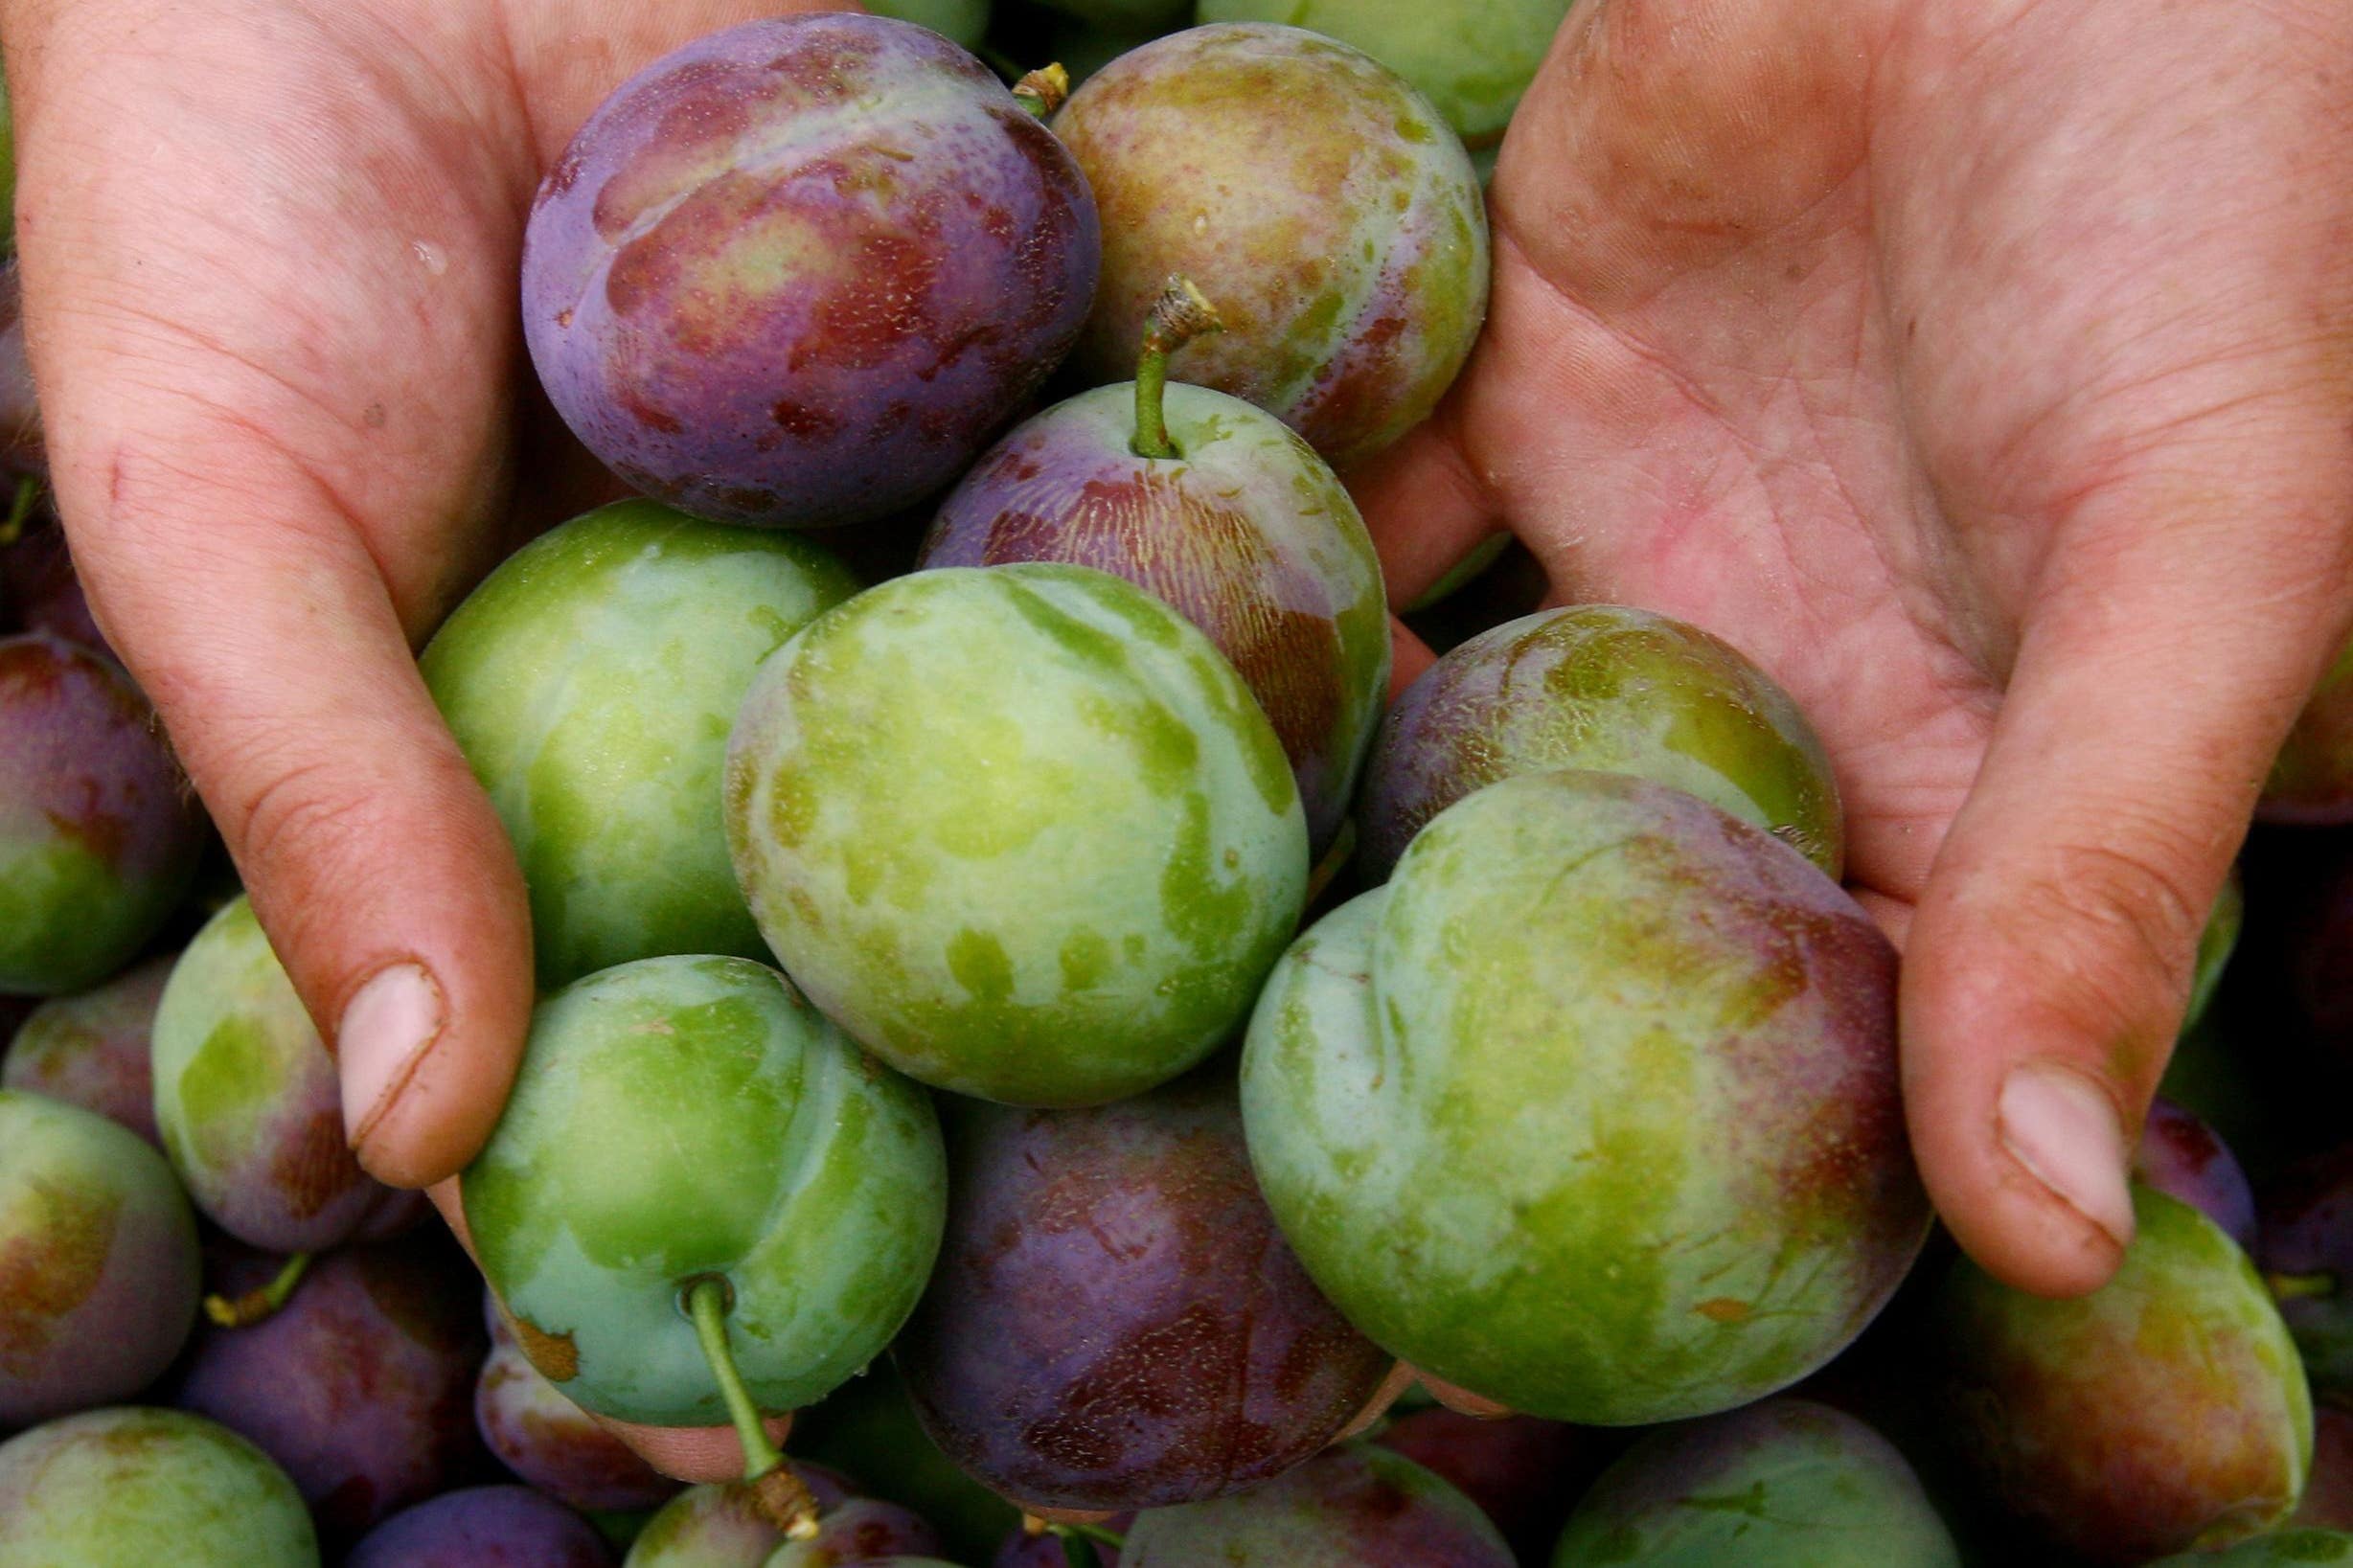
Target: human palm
(1986, 373)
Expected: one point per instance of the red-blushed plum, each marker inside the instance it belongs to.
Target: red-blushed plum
(2164, 1412)
(2287, 1549)
(799, 272)
(248, 1100)
(863, 1529)
(359, 1386)
(99, 1266)
(553, 1443)
(2183, 1157)
(1116, 1322)
(94, 1049)
(2307, 1253)
(484, 1526)
(2312, 781)
(1355, 1506)
(1609, 689)
(133, 1488)
(1782, 1484)
(1310, 192)
(723, 1527)
(1522, 1472)
(591, 681)
(1239, 527)
(1022, 830)
(2328, 1490)
(1593, 1110)
(98, 839)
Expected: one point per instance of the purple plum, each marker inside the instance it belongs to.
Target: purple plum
(2181, 1156)
(1522, 1472)
(862, 1529)
(92, 1050)
(38, 576)
(2307, 1253)
(484, 1526)
(799, 272)
(552, 1443)
(1356, 1506)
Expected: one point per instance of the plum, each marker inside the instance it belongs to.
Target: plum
(93, 1050)
(591, 681)
(1612, 689)
(1021, 829)
(1593, 1109)
(1235, 523)
(868, 1428)
(2312, 781)
(2164, 1412)
(2181, 1156)
(359, 1386)
(863, 1529)
(1313, 195)
(2307, 1250)
(484, 1526)
(2329, 1490)
(97, 840)
(702, 1198)
(99, 1266)
(1522, 1472)
(799, 272)
(1046, 1550)
(1784, 1484)
(716, 1527)
(2288, 1548)
(133, 1488)
(1471, 58)
(1116, 1322)
(552, 1443)
(248, 1098)
(23, 451)
(37, 571)
(1355, 1506)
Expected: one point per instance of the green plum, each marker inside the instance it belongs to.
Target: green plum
(2288, 1548)
(1021, 830)
(591, 681)
(964, 20)
(1593, 1109)
(133, 1488)
(680, 1123)
(705, 1527)
(2164, 1412)
(1784, 1484)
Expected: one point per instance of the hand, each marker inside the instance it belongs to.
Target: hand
(270, 253)
(1985, 371)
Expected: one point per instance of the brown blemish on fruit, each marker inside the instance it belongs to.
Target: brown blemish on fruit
(51, 1267)
(314, 1167)
(804, 422)
(555, 1355)
(1723, 1309)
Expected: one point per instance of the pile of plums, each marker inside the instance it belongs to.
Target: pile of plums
(1018, 992)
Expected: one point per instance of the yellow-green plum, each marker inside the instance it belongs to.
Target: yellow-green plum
(1354, 1506)
(1612, 689)
(1314, 195)
(1021, 830)
(2312, 780)
(1593, 1109)
(99, 1268)
(135, 1487)
(2162, 1413)
(720, 1527)
(591, 681)
(95, 1049)
(678, 1120)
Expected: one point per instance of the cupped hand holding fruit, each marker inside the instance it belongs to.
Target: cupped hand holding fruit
(1984, 374)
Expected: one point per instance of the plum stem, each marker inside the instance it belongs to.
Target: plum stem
(2301, 1286)
(1180, 315)
(255, 1306)
(28, 493)
(783, 1498)
(1043, 90)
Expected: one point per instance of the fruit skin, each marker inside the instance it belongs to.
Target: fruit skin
(1609, 688)
(1021, 830)
(2307, 1235)
(679, 1118)
(97, 840)
(2312, 779)
(1248, 535)
(720, 1527)
(359, 1385)
(868, 1428)
(2181, 1156)
(1593, 1109)
(591, 681)
(2329, 1490)
(1522, 1472)
(248, 1098)
(1318, 200)
(135, 1487)
(484, 1526)
(1354, 1506)
(1783, 1483)
(23, 449)
(2288, 1548)
(2164, 1412)
(798, 271)
(553, 1443)
(99, 1267)
(1116, 1322)
(94, 1050)
(862, 1529)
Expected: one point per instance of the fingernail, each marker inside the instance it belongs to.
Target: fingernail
(388, 1026)
(2056, 1124)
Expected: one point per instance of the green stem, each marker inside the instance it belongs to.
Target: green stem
(28, 496)
(781, 1495)
(1179, 315)
(1042, 91)
(254, 1305)
(2301, 1286)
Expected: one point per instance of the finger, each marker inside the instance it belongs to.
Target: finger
(1424, 507)
(2050, 956)
(1409, 657)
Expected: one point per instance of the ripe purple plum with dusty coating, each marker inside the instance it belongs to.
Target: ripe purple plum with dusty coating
(98, 837)
(484, 1526)
(1593, 1110)
(1315, 197)
(1355, 1506)
(95, 1049)
(2312, 779)
(248, 1098)
(133, 1488)
(799, 272)
(1614, 689)
(553, 1443)
(2307, 1253)
(1021, 830)
(2183, 1157)
(1116, 1322)
(2164, 1412)
(99, 1264)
